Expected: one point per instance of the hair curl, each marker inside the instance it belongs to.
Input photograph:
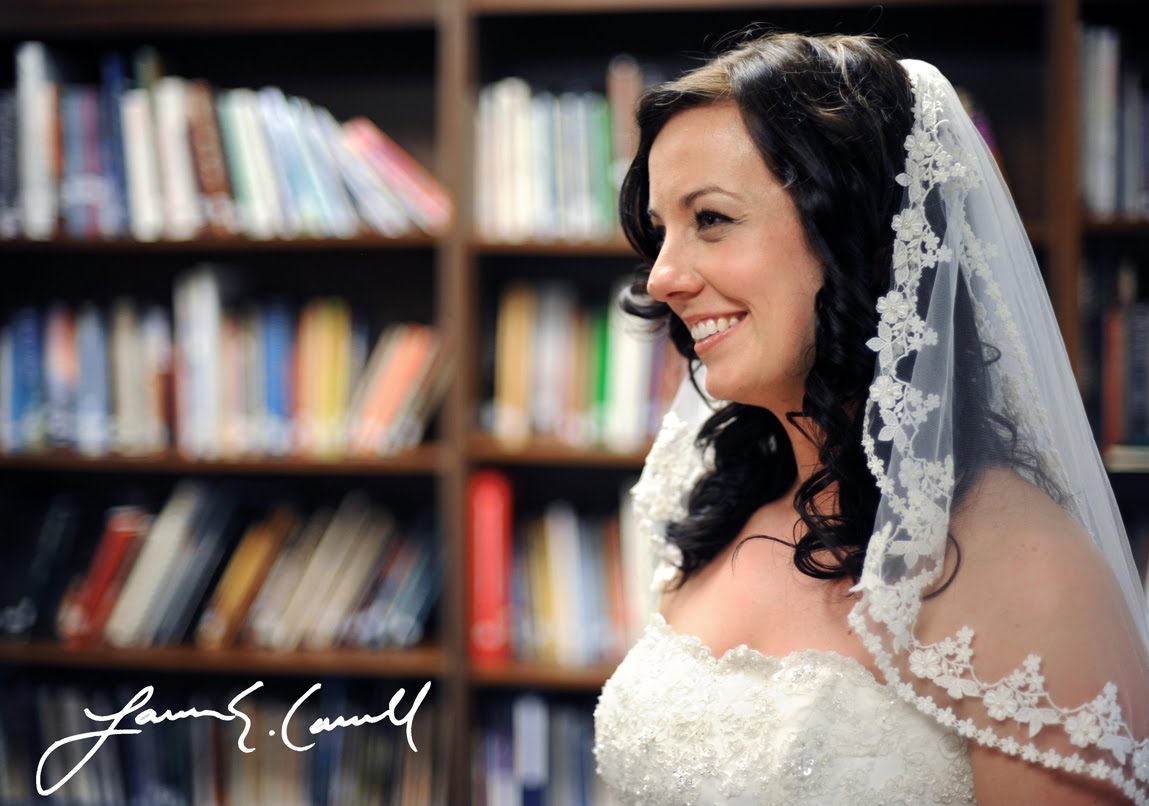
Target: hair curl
(829, 116)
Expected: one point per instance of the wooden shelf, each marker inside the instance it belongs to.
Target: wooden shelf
(1116, 225)
(552, 454)
(535, 7)
(617, 248)
(524, 674)
(361, 242)
(209, 16)
(418, 661)
(422, 460)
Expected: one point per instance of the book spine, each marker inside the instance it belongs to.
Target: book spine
(9, 167)
(114, 211)
(208, 160)
(490, 504)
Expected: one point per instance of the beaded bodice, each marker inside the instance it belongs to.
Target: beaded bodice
(675, 725)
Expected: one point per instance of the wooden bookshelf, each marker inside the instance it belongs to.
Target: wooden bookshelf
(523, 674)
(422, 460)
(616, 248)
(422, 661)
(1116, 226)
(115, 17)
(486, 450)
(367, 243)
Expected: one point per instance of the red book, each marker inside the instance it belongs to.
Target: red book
(125, 526)
(424, 197)
(490, 520)
(1114, 363)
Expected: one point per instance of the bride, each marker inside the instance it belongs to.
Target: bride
(893, 569)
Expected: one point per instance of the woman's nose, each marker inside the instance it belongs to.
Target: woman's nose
(670, 277)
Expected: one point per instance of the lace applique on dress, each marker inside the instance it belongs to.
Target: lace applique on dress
(672, 468)
(675, 725)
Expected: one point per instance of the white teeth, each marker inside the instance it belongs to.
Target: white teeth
(708, 327)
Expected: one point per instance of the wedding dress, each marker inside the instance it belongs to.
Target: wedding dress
(676, 727)
(1057, 682)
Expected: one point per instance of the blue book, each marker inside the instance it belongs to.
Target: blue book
(27, 380)
(73, 174)
(9, 184)
(278, 333)
(300, 216)
(113, 214)
(93, 409)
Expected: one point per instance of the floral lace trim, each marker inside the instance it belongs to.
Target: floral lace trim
(661, 495)
(743, 657)
(919, 498)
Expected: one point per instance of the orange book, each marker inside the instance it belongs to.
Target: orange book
(490, 521)
(615, 584)
(243, 578)
(394, 385)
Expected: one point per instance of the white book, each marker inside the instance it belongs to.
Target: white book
(134, 609)
(199, 389)
(509, 97)
(553, 346)
(359, 569)
(183, 209)
(524, 199)
(638, 565)
(271, 215)
(156, 339)
(322, 571)
(338, 212)
(568, 606)
(630, 352)
(36, 119)
(530, 720)
(141, 165)
(542, 159)
(375, 203)
(256, 426)
(301, 209)
(265, 620)
(128, 388)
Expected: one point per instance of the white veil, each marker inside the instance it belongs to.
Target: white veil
(1055, 668)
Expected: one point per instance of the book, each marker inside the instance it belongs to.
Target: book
(424, 199)
(490, 525)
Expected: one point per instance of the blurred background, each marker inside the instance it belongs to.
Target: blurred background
(310, 372)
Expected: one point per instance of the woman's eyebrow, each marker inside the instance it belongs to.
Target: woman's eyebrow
(694, 195)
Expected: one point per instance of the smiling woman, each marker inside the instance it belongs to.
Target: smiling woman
(732, 248)
(894, 569)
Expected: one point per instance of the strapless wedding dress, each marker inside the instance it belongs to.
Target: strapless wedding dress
(675, 726)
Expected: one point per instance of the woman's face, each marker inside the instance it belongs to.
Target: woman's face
(733, 251)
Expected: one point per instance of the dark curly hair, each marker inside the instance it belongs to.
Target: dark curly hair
(829, 116)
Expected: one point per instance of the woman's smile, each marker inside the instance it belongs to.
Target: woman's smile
(710, 332)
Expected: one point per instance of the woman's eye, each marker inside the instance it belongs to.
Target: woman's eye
(709, 218)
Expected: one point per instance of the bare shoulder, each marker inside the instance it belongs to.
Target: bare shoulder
(1017, 541)
(1030, 581)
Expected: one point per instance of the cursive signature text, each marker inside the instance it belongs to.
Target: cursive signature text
(149, 716)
